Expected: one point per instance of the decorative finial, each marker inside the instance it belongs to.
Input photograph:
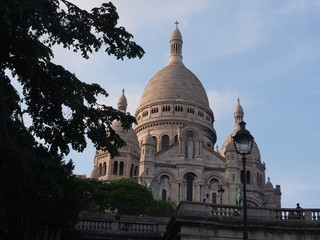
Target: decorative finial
(239, 101)
(268, 179)
(176, 23)
(123, 91)
(217, 148)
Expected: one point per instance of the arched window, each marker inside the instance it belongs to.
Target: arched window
(100, 170)
(121, 168)
(104, 169)
(214, 198)
(115, 168)
(155, 142)
(131, 170)
(189, 182)
(248, 177)
(165, 141)
(175, 139)
(164, 195)
(136, 171)
(245, 178)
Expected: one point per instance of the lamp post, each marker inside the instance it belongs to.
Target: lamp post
(243, 143)
(221, 191)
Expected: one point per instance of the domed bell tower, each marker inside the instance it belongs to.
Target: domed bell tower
(147, 163)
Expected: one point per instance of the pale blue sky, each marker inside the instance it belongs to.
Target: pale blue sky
(265, 52)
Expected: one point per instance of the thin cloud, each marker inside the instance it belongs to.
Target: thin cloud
(222, 103)
(294, 6)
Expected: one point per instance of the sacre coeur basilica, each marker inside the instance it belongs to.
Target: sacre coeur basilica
(172, 149)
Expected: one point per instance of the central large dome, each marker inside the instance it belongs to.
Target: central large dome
(174, 97)
(175, 82)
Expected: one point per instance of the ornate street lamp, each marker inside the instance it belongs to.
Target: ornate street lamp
(220, 191)
(243, 143)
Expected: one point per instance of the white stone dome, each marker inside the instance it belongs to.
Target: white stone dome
(148, 139)
(129, 136)
(228, 145)
(175, 97)
(269, 186)
(176, 35)
(238, 109)
(175, 82)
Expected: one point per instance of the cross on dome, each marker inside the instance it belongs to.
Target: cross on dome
(176, 23)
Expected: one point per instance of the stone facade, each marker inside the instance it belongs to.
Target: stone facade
(172, 147)
(125, 165)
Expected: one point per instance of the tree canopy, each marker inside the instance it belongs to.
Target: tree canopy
(37, 196)
(122, 195)
(29, 28)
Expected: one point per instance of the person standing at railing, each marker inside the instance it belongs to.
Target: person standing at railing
(299, 212)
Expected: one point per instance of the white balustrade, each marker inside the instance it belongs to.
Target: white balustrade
(119, 226)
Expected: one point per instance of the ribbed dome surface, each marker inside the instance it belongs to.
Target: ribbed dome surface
(129, 136)
(175, 82)
(269, 185)
(228, 145)
(148, 139)
(238, 109)
(176, 34)
(122, 100)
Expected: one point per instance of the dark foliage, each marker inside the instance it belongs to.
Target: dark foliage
(160, 208)
(38, 195)
(128, 197)
(122, 195)
(92, 195)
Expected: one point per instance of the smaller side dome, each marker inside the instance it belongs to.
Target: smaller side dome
(176, 34)
(238, 113)
(228, 144)
(129, 136)
(122, 103)
(176, 46)
(238, 109)
(269, 186)
(148, 139)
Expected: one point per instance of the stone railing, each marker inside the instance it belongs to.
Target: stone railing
(228, 217)
(289, 214)
(102, 225)
(225, 211)
(116, 225)
(260, 213)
